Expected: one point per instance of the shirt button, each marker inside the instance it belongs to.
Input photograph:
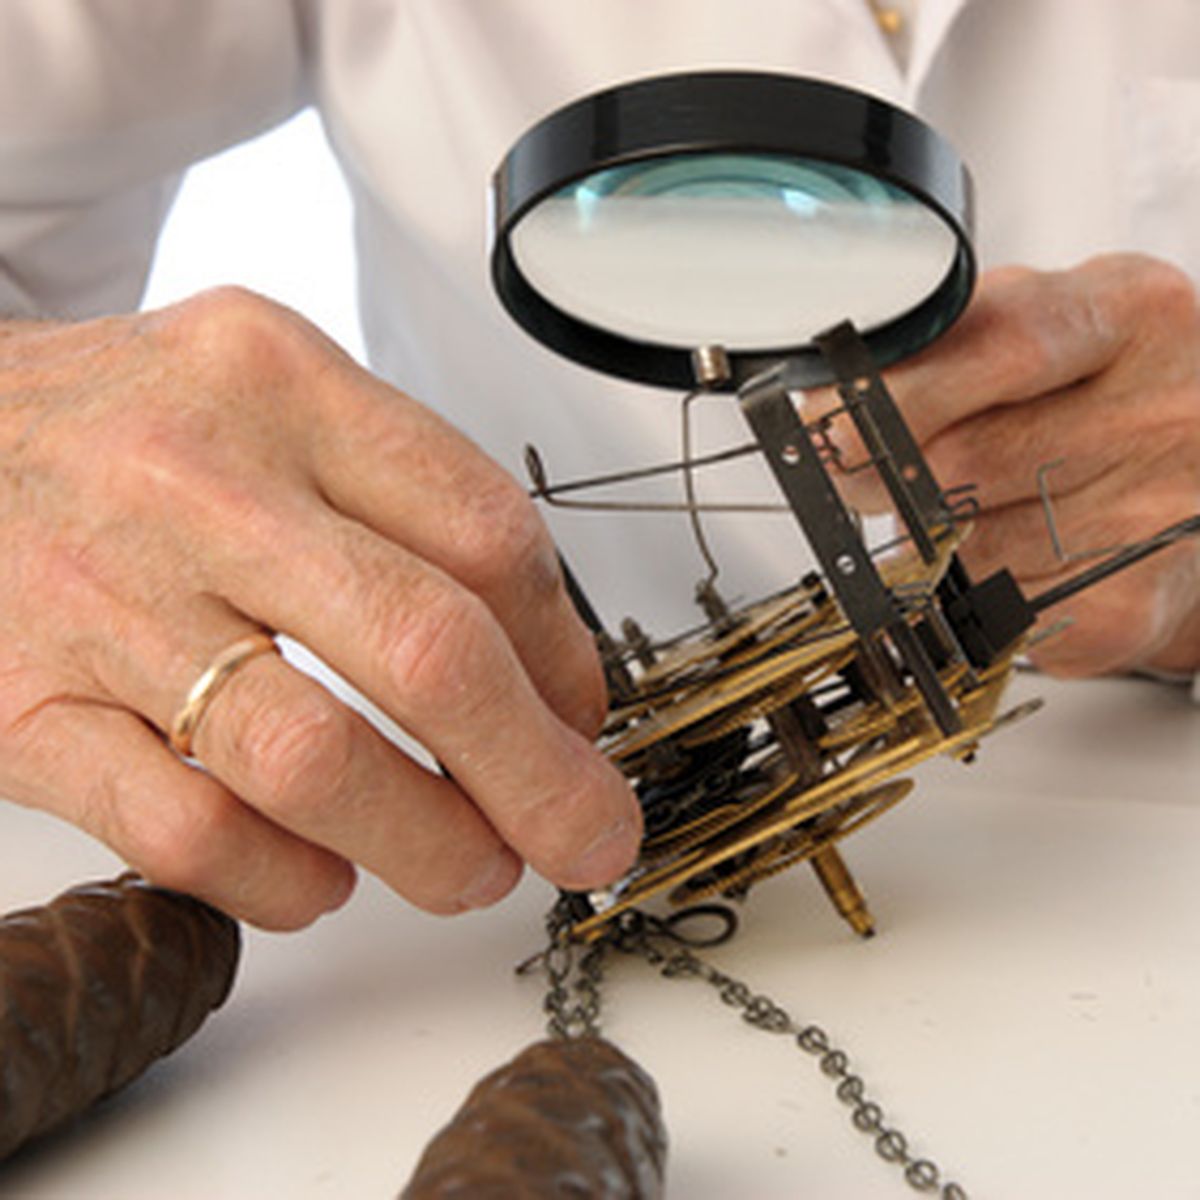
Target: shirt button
(890, 20)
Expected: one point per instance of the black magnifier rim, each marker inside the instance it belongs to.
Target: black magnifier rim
(742, 112)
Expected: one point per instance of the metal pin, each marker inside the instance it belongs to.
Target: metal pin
(710, 365)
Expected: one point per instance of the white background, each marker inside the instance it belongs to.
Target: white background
(273, 215)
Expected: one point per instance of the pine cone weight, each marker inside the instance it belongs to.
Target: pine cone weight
(565, 1120)
(94, 987)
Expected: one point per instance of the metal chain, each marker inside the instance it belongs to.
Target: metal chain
(638, 933)
(574, 974)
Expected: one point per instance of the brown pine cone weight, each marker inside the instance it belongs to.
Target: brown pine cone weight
(565, 1120)
(94, 987)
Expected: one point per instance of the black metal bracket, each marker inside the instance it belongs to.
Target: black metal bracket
(890, 445)
(833, 535)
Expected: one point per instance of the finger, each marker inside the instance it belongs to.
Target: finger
(996, 431)
(287, 748)
(1025, 334)
(1075, 437)
(298, 755)
(319, 420)
(405, 473)
(1127, 621)
(368, 609)
(1120, 622)
(113, 777)
(434, 658)
(1088, 522)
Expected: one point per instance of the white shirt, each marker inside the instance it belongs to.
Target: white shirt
(1080, 120)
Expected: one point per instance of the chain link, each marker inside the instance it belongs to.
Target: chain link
(574, 974)
(641, 934)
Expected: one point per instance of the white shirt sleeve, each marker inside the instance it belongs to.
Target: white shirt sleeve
(103, 105)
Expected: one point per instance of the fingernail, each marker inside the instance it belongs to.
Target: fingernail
(493, 883)
(609, 856)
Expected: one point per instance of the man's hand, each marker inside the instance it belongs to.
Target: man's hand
(169, 484)
(1098, 367)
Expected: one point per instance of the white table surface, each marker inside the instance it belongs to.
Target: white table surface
(1029, 1013)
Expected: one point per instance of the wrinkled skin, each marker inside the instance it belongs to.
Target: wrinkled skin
(174, 481)
(1099, 367)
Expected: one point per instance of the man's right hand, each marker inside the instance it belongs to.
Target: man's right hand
(175, 481)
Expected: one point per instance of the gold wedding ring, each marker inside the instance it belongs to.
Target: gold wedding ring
(215, 676)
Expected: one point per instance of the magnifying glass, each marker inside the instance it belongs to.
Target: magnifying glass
(741, 210)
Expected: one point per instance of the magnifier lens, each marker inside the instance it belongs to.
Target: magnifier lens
(747, 251)
(742, 209)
